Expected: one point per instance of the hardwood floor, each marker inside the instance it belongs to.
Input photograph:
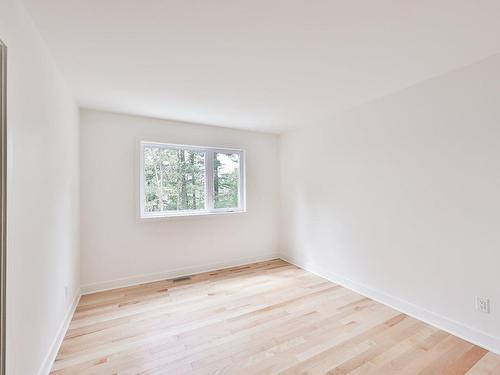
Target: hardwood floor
(265, 318)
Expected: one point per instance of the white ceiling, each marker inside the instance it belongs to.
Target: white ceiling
(265, 65)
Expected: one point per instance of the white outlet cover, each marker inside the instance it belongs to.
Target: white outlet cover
(483, 305)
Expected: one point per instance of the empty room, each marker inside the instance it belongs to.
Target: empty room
(250, 187)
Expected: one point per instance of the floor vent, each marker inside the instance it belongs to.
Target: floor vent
(182, 278)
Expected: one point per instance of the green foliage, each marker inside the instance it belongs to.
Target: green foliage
(226, 179)
(174, 179)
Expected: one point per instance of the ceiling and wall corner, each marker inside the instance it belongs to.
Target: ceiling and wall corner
(259, 65)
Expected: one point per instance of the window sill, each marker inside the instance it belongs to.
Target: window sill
(187, 215)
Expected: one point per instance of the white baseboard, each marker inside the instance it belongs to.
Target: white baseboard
(141, 279)
(458, 329)
(61, 332)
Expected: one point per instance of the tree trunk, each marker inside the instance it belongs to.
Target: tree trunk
(159, 183)
(182, 181)
(216, 180)
(193, 180)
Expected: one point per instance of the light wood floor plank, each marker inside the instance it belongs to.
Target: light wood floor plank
(264, 318)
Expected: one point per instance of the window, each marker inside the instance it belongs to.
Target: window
(181, 180)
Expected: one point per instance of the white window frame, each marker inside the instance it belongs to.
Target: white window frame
(209, 181)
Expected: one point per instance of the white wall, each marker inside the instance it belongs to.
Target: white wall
(43, 191)
(116, 249)
(400, 199)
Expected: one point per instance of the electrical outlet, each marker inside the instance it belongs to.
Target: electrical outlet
(483, 305)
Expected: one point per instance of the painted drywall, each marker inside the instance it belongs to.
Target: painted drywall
(401, 198)
(43, 196)
(117, 249)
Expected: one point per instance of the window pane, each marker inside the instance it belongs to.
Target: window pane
(226, 180)
(174, 180)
